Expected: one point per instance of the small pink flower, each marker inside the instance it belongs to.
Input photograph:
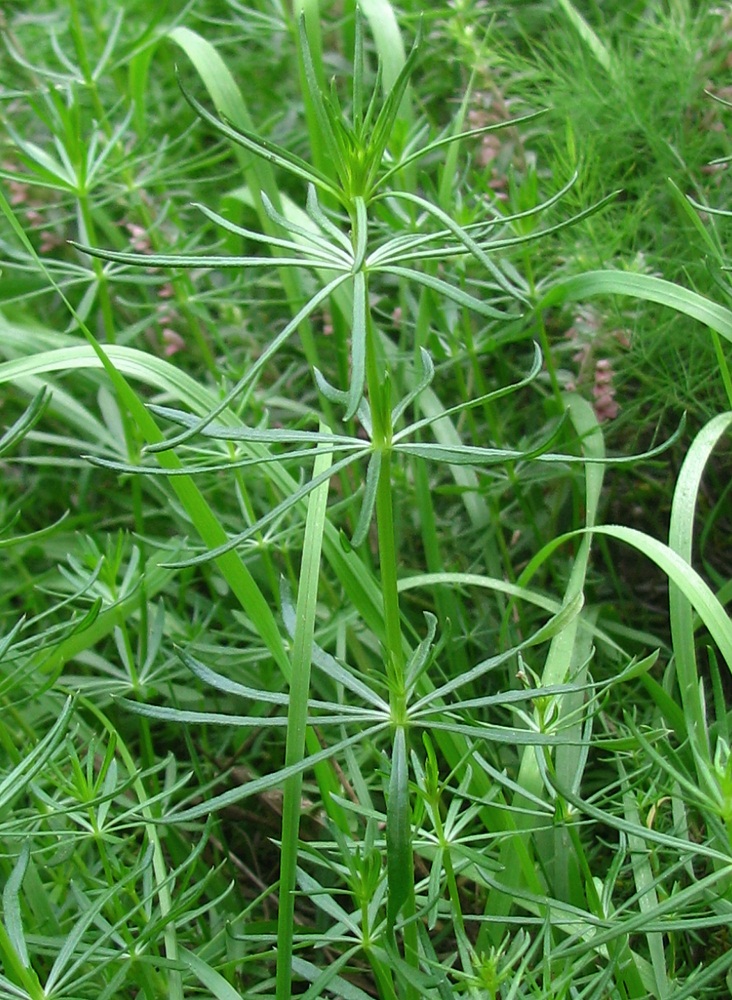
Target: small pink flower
(173, 342)
(18, 193)
(604, 373)
(603, 391)
(140, 240)
(606, 409)
(49, 241)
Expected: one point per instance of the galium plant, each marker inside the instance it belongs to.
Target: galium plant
(430, 783)
(350, 257)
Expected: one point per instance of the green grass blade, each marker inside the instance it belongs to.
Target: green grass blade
(302, 650)
(389, 45)
(681, 533)
(590, 38)
(642, 286)
(691, 585)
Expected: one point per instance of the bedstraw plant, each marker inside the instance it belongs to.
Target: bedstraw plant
(462, 768)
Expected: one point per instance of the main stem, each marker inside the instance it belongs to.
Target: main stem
(377, 380)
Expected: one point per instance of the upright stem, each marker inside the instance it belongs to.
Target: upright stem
(377, 381)
(388, 563)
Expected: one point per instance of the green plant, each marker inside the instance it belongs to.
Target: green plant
(464, 727)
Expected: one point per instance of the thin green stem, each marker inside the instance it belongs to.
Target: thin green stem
(302, 652)
(378, 384)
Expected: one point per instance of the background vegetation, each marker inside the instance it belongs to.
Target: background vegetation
(365, 500)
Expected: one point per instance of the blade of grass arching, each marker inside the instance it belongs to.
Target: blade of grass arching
(302, 650)
(257, 171)
(694, 589)
(642, 286)
(681, 533)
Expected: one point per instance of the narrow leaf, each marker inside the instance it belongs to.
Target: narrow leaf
(11, 905)
(399, 859)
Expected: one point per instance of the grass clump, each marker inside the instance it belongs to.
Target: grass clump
(315, 678)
